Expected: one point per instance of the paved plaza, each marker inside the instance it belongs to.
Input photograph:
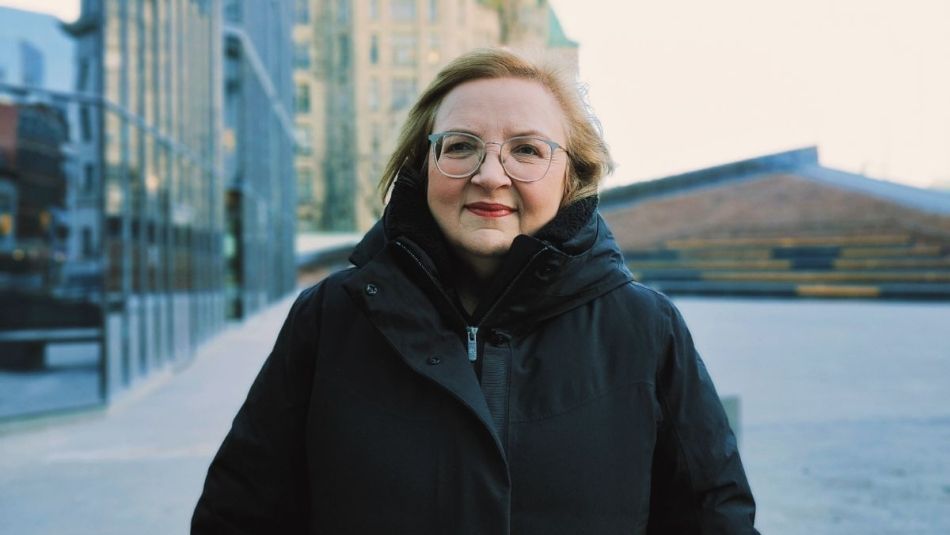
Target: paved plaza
(845, 424)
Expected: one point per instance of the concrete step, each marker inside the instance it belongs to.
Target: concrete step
(917, 250)
(912, 263)
(803, 277)
(792, 241)
(922, 291)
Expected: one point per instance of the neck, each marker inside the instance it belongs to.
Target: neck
(472, 277)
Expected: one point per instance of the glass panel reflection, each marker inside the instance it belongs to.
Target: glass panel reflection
(50, 273)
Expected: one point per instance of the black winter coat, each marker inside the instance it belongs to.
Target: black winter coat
(588, 409)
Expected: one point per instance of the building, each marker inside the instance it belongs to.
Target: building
(146, 143)
(783, 225)
(359, 66)
(31, 51)
(147, 202)
(257, 153)
(43, 219)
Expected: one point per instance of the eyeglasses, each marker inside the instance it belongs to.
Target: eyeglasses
(524, 158)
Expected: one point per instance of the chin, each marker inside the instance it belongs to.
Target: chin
(491, 248)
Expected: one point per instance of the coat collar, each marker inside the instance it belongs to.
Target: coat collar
(571, 260)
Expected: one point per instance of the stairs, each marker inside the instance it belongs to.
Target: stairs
(895, 265)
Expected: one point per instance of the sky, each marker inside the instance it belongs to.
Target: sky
(681, 85)
(686, 84)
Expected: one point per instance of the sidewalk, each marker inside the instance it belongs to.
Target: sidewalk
(138, 466)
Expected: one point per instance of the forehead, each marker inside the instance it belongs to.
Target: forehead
(502, 107)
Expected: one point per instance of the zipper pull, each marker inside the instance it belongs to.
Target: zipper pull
(472, 333)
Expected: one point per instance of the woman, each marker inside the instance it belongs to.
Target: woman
(488, 366)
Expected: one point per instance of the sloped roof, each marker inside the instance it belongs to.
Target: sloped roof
(800, 162)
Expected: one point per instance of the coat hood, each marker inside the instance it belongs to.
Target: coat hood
(571, 260)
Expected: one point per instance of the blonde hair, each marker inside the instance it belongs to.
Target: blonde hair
(589, 157)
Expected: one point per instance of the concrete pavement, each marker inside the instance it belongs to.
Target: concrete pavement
(138, 466)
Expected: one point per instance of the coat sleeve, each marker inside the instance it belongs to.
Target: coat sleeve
(257, 481)
(698, 485)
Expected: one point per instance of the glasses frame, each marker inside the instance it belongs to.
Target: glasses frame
(437, 137)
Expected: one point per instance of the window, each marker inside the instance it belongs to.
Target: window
(344, 50)
(304, 185)
(302, 9)
(433, 53)
(232, 10)
(374, 141)
(374, 49)
(404, 91)
(304, 140)
(404, 49)
(88, 248)
(403, 9)
(302, 55)
(83, 78)
(85, 123)
(373, 9)
(343, 11)
(88, 178)
(433, 10)
(302, 98)
(373, 94)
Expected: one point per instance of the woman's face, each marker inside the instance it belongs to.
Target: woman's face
(481, 215)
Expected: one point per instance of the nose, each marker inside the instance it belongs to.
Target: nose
(491, 173)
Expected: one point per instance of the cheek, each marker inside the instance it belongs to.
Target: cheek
(442, 196)
(551, 195)
(541, 205)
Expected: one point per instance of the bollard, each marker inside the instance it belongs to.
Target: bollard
(731, 405)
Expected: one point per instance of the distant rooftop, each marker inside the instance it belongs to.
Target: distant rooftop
(800, 162)
(556, 35)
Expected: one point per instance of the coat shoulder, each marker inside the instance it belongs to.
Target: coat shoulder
(643, 301)
(311, 301)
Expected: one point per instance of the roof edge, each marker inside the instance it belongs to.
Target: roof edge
(781, 161)
(926, 200)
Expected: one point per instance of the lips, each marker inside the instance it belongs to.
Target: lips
(486, 209)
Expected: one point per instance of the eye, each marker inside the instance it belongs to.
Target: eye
(527, 148)
(458, 146)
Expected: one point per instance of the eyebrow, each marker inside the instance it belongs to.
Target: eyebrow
(519, 133)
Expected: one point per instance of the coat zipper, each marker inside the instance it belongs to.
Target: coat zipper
(471, 331)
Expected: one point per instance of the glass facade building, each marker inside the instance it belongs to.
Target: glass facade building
(258, 152)
(142, 209)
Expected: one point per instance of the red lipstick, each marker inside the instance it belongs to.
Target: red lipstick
(487, 209)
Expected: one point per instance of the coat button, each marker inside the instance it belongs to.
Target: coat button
(498, 338)
(433, 361)
(546, 271)
(371, 289)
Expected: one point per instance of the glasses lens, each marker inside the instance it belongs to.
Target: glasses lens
(526, 158)
(459, 155)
